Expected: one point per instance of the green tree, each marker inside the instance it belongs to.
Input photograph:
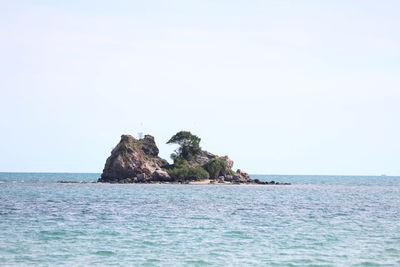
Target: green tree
(189, 145)
(214, 167)
(181, 170)
(217, 167)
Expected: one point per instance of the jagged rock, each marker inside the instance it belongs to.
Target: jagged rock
(242, 177)
(131, 158)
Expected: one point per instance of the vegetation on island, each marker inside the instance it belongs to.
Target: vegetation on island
(189, 145)
(127, 146)
(183, 166)
(216, 166)
(182, 170)
(137, 161)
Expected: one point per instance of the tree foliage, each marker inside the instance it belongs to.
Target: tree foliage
(189, 145)
(214, 167)
(217, 167)
(182, 170)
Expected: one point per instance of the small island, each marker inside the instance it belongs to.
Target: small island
(137, 161)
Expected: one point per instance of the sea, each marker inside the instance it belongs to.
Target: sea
(316, 221)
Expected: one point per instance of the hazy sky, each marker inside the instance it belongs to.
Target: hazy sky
(282, 87)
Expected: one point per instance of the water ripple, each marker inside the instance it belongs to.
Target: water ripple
(45, 223)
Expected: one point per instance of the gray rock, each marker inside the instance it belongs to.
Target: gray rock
(161, 176)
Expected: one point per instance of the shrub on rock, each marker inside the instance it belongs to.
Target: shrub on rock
(181, 170)
(217, 167)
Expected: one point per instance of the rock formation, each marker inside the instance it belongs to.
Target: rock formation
(137, 161)
(132, 158)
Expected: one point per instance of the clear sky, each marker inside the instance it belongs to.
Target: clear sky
(282, 87)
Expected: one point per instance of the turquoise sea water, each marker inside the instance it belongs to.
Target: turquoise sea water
(316, 221)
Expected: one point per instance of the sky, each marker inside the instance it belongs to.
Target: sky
(282, 87)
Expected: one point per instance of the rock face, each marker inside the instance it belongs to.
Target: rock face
(132, 158)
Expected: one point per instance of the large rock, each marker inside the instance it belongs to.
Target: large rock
(242, 176)
(131, 158)
(161, 176)
(205, 156)
(202, 158)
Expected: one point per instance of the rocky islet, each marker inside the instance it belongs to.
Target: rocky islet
(137, 161)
